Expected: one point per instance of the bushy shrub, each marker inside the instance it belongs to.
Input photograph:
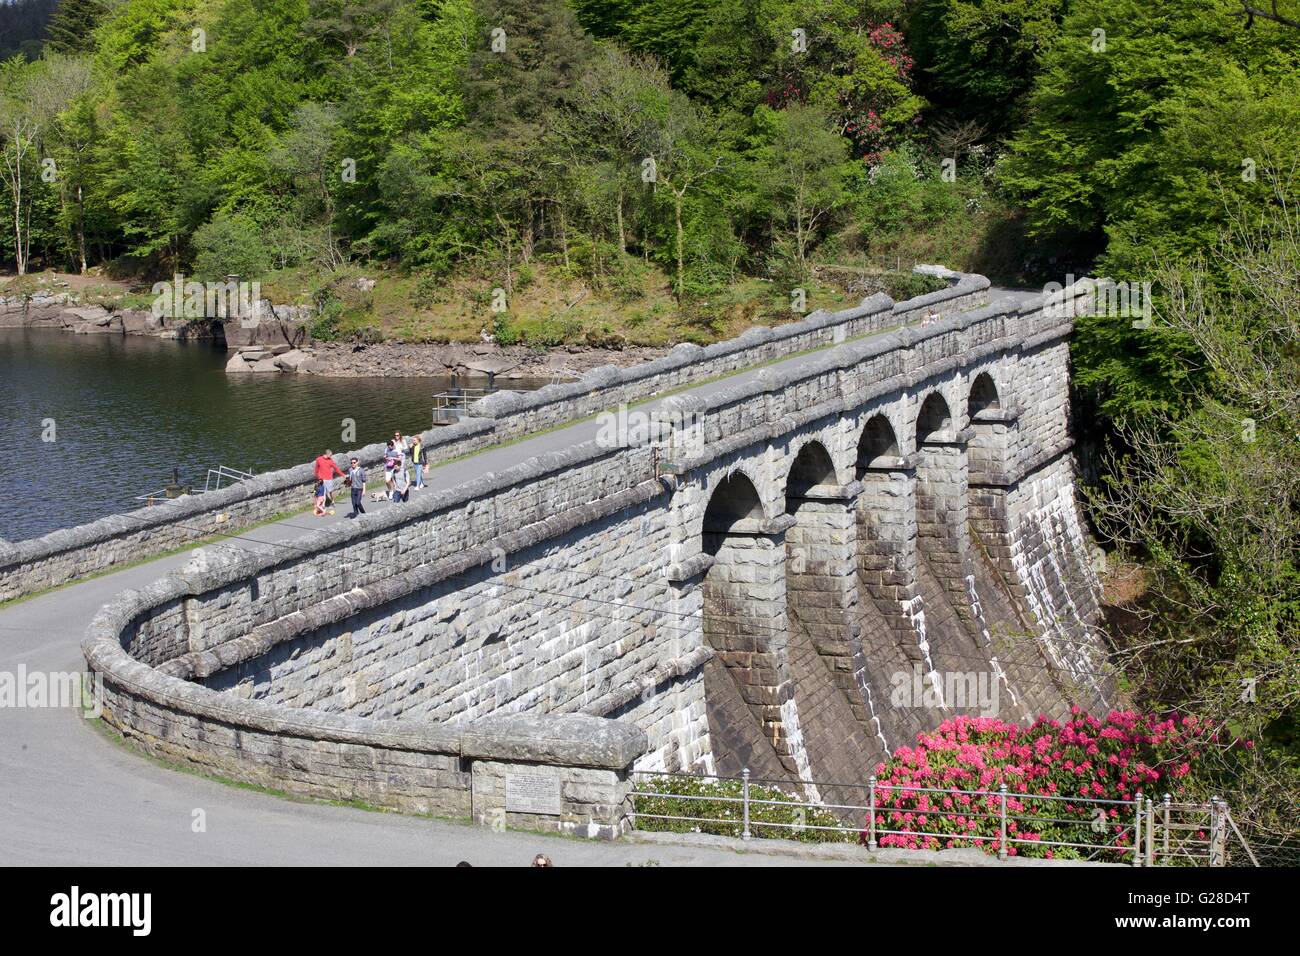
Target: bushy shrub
(504, 331)
(230, 245)
(325, 326)
(1113, 758)
(906, 285)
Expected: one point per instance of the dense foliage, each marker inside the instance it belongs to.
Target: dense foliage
(23, 26)
(444, 135)
(1080, 760)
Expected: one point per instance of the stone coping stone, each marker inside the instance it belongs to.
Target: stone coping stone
(571, 740)
(852, 354)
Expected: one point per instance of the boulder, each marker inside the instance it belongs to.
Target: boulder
(264, 365)
(292, 360)
(137, 322)
(90, 313)
(237, 365)
(90, 328)
(266, 332)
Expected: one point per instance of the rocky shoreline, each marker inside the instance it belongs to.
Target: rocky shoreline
(501, 363)
(282, 344)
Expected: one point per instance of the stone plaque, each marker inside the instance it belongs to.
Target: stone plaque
(533, 791)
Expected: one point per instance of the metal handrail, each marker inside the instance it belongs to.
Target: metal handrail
(461, 396)
(224, 471)
(211, 483)
(152, 496)
(449, 406)
(1152, 833)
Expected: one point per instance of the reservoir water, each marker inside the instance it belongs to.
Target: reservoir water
(123, 411)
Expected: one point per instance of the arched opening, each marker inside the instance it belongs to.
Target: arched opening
(821, 609)
(878, 445)
(744, 621)
(812, 467)
(941, 519)
(983, 395)
(992, 429)
(885, 519)
(733, 501)
(934, 423)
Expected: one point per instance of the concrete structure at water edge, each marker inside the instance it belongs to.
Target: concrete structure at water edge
(792, 569)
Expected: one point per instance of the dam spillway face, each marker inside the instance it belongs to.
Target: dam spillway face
(793, 573)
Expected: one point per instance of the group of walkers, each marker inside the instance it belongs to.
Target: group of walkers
(404, 459)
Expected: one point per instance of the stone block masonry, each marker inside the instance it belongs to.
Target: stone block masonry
(27, 567)
(755, 579)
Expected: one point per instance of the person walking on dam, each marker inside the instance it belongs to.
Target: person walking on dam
(356, 480)
(401, 445)
(417, 460)
(391, 460)
(326, 471)
(401, 486)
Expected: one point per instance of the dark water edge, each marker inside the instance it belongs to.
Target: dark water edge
(127, 409)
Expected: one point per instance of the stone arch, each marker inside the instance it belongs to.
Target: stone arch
(934, 420)
(744, 622)
(823, 654)
(886, 519)
(811, 468)
(733, 502)
(991, 426)
(941, 511)
(877, 446)
(983, 396)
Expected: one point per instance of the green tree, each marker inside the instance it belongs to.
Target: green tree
(802, 170)
(688, 150)
(71, 28)
(23, 118)
(977, 59)
(307, 154)
(851, 63)
(231, 244)
(614, 121)
(1149, 123)
(1208, 493)
(541, 53)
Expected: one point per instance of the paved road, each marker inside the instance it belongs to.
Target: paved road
(69, 796)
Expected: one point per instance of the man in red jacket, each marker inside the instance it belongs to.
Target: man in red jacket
(326, 472)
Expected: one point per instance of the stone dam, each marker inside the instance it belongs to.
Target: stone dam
(800, 549)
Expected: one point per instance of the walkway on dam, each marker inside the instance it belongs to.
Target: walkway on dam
(70, 796)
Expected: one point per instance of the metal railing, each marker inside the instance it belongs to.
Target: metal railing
(1195, 834)
(1139, 831)
(153, 497)
(212, 482)
(224, 473)
(449, 406)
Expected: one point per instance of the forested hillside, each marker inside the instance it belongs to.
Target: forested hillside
(651, 171)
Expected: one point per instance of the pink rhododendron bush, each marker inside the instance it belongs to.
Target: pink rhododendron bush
(1081, 759)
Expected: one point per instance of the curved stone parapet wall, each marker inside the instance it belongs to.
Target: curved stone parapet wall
(573, 588)
(30, 566)
(460, 770)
